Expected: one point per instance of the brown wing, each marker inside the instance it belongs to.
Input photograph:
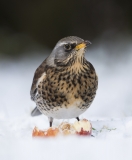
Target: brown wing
(39, 71)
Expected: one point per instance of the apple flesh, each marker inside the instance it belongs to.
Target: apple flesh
(83, 127)
(66, 128)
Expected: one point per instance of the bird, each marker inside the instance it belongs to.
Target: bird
(65, 84)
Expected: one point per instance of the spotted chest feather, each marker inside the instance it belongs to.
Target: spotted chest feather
(63, 86)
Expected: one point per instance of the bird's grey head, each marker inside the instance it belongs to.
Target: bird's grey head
(66, 49)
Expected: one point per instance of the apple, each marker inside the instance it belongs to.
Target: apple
(83, 127)
(66, 128)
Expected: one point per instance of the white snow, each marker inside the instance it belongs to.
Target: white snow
(110, 113)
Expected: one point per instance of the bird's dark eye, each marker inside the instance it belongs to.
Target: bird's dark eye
(69, 46)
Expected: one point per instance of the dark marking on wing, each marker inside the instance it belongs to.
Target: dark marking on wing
(39, 71)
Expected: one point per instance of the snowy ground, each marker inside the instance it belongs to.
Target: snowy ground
(110, 113)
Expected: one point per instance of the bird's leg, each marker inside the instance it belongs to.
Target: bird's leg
(78, 118)
(50, 121)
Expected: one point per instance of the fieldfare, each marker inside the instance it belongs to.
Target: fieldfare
(65, 84)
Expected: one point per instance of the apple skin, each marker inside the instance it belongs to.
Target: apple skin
(82, 132)
(51, 132)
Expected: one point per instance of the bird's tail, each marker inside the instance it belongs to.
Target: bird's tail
(35, 112)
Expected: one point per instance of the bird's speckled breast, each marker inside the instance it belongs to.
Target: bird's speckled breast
(66, 88)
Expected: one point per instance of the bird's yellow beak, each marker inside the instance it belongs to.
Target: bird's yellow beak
(83, 45)
(79, 46)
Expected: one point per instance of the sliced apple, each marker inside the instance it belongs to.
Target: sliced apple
(47, 133)
(66, 128)
(83, 127)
